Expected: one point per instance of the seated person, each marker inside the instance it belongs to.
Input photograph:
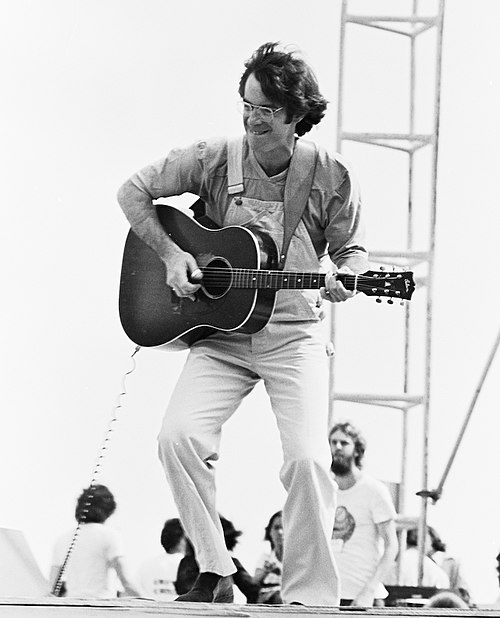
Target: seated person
(97, 554)
(450, 565)
(158, 574)
(242, 578)
(188, 571)
(433, 575)
(269, 565)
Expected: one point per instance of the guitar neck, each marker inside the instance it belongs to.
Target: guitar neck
(372, 283)
(276, 279)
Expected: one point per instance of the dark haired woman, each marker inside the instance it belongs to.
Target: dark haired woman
(188, 571)
(269, 565)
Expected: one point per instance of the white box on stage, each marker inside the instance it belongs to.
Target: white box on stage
(20, 575)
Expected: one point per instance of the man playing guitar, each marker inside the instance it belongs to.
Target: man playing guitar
(256, 183)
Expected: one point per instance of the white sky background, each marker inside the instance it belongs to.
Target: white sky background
(94, 90)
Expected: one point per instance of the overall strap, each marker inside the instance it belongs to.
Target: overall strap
(235, 165)
(298, 186)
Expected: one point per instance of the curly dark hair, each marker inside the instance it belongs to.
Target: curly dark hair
(94, 505)
(286, 79)
(357, 438)
(231, 535)
(267, 531)
(171, 534)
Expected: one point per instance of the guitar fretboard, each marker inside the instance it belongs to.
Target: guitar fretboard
(277, 280)
(244, 278)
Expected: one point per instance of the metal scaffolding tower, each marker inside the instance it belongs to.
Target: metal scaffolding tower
(413, 41)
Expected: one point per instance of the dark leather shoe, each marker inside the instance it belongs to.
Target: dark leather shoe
(223, 592)
(197, 595)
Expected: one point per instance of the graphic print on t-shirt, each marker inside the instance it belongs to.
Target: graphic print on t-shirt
(344, 524)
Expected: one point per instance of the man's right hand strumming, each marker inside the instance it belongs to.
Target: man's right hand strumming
(182, 272)
(181, 268)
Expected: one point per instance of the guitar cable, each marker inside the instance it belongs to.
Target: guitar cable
(56, 588)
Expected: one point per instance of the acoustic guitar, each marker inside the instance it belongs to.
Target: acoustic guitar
(238, 289)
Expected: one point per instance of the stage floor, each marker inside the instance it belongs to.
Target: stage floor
(142, 608)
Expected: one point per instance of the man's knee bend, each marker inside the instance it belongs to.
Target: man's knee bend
(183, 443)
(173, 438)
(305, 467)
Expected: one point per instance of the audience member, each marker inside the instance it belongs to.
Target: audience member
(364, 520)
(446, 599)
(269, 566)
(242, 579)
(450, 565)
(97, 553)
(158, 574)
(433, 575)
(188, 571)
(497, 602)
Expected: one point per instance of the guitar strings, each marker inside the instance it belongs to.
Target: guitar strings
(215, 275)
(215, 270)
(223, 279)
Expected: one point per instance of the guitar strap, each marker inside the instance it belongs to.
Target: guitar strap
(297, 187)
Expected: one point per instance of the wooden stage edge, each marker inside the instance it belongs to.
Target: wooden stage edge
(141, 608)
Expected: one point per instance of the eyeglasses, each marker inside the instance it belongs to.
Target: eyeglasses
(265, 113)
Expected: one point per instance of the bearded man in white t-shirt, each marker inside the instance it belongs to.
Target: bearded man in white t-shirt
(364, 537)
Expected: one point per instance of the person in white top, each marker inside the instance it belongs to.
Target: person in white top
(158, 574)
(433, 576)
(450, 565)
(364, 538)
(97, 556)
(269, 565)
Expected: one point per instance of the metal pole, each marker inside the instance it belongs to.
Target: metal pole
(422, 530)
(340, 99)
(425, 475)
(409, 246)
(436, 494)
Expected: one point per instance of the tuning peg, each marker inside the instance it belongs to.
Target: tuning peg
(378, 300)
(390, 301)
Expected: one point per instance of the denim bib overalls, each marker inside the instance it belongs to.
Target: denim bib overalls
(289, 356)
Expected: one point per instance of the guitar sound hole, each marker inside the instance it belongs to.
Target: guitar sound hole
(217, 282)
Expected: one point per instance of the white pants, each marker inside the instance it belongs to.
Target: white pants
(219, 372)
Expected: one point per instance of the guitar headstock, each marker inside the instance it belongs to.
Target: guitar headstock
(381, 283)
(387, 284)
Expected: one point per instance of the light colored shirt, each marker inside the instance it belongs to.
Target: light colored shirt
(158, 574)
(89, 572)
(355, 539)
(452, 567)
(433, 575)
(271, 583)
(332, 217)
